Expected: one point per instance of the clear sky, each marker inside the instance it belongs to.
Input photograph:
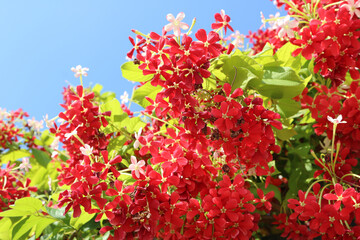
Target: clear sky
(41, 40)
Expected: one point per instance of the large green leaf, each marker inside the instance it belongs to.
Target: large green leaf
(237, 69)
(28, 204)
(41, 223)
(145, 90)
(5, 225)
(266, 57)
(131, 72)
(280, 82)
(284, 56)
(78, 222)
(41, 157)
(117, 115)
(133, 124)
(288, 107)
(13, 213)
(14, 155)
(22, 229)
(57, 213)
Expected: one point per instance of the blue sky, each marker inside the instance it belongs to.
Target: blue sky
(41, 40)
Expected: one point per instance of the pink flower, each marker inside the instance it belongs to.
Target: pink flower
(175, 23)
(353, 8)
(137, 166)
(80, 71)
(25, 164)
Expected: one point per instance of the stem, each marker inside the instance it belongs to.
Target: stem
(132, 96)
(321, 193)
(332, 4)
(81, 82)
(150, 116)
(309, 189)
(191, 27)
(332, 148)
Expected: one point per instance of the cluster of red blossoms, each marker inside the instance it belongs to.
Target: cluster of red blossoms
(331, 212)
(332, 102)
(261, 37)
(10, 133)
(198, 150)
(330, 36)
(12, 186)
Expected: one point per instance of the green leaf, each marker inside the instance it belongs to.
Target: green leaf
(288, 107)
(134, 124)
(131, 72)
(13, 213)
(287, 60)
(78, 222)
(116, 143)
(235, 68)
(117, 115)
(38, 175)
(280, 82)
(243, 78)
(145, 90)
(57, 213)
(267, 190)
(42, 158)
(266, 57)
(27, 204)
(41, 224)
(285, 133)
(14, 155)
(126, 178)
(298, 173)
(97, 89)
(22, 229)
(5, 225)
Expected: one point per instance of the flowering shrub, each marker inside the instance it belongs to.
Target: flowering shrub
(231, 143)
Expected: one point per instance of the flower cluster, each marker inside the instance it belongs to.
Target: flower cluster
(190, 163)
(331, 103)
(13, 186)
(11, 133)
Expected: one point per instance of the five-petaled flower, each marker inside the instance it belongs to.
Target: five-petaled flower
(353, 7)
(80, 71)
(125, 97)
(175, 23)
(137, 166)
(336, 120)
(87, 150)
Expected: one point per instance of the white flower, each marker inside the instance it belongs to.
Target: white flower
(49, 182)
(54, 154)
(25, 165)
(74, 132)
(87, 150)
(137, 166)
(175, 23)
(3, 113)
(336, 120)
(35, 125)
(80, 71)
(137, 135)
(273, 20)
(286, 26)
(55, 144)
(124, 98)
(353, 8)
(238, 39)
(48, 123)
